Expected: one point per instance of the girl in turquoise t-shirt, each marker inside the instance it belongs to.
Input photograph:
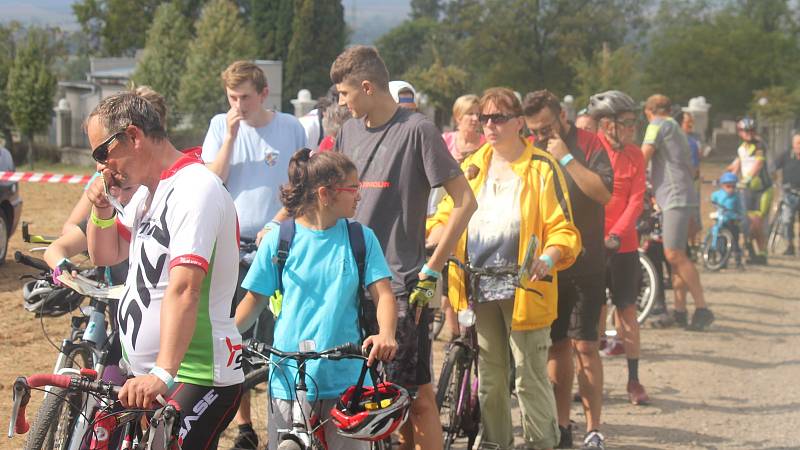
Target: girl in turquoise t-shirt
(320, 287)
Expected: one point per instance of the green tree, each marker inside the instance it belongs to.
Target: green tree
(426, 8)
(402, 47)
(115, 27)
(724, 57)
(318, 34)
(607, 69)
(271, 21)
(31, 87)
(164, 56)
(441, 83)
(782, 103)
(6, 60)
(222, 38)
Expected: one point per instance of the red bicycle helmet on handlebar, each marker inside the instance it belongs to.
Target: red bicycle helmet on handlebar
(377, 413)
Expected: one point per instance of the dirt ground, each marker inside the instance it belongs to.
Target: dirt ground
(733, 387)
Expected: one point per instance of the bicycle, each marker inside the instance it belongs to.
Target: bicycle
(306, 432)
(165, 421)
(777, 242)
(457, 387)
(720, 240)
(62, 418)
(649, 286)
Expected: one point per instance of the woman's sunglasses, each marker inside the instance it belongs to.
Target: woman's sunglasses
(497, 119)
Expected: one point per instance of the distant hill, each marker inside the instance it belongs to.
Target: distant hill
(40, 12)
(368, 19)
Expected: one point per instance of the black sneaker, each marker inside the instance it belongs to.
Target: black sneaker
(566, 437)
(758, 260)
(789, 250)
(681, 318)
(594, 440)
(701, 319)
(247, 439)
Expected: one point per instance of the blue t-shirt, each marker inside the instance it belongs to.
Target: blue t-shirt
(259, 166)
(320, 302)
(731, 204)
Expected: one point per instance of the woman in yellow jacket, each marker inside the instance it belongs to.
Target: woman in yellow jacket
(521, 193)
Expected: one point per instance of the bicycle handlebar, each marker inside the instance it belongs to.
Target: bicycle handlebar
(36, 263)
(21, 392)
(344, 351)
(491, 271)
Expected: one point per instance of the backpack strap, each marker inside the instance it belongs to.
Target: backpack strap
(285, 238)
(355, 233)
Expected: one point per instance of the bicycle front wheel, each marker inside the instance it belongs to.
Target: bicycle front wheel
(716, 254)
(60, 409)
(777, 242)
(448, 393)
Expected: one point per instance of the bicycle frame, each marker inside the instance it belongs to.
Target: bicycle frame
(305, 426)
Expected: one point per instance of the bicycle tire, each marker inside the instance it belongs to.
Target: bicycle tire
(777, 242)
(648, 288)
(255, 378)
(54, 422)
(716, 256)
(448, 390)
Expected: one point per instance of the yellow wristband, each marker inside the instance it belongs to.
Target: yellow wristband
(104, 223)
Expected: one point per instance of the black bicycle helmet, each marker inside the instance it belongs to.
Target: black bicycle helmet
(746, 124)
(609, 104)
(44, 299)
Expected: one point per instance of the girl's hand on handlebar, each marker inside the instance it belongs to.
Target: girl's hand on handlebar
(384, 348)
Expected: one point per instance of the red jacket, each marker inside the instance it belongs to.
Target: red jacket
(627, 199)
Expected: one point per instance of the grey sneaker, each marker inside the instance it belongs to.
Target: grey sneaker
(594, 440)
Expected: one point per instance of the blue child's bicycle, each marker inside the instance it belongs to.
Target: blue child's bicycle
(721, 240)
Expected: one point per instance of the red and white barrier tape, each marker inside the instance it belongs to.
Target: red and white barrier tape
(35, 177)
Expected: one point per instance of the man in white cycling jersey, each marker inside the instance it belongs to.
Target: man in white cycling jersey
(176, 330)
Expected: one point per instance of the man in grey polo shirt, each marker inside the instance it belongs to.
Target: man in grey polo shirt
(666, 146)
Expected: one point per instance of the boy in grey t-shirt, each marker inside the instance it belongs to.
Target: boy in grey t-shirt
(400, 155)
(667, 147)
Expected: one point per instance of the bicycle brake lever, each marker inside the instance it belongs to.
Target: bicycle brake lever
(21, 396)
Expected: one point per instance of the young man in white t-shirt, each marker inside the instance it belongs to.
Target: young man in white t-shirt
(249, 148)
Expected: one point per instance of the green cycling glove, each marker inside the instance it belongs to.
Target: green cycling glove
(423, 292)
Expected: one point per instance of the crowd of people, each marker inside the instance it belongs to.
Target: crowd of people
(513, 169)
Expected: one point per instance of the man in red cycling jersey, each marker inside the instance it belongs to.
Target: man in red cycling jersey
(614, 113)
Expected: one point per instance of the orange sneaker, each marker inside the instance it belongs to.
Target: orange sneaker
(636, 393)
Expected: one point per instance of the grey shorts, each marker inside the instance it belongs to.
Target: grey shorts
(675, 227)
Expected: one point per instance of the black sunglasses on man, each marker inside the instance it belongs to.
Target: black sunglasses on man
(100, 153)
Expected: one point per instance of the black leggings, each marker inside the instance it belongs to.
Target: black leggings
(205, 413)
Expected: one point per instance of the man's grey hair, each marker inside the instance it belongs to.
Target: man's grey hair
(121, 110)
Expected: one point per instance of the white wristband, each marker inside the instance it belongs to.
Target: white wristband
(163, 375)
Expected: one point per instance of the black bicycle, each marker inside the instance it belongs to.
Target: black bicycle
(107, 421)
(63, 417)
(457, 387)
(777, 242)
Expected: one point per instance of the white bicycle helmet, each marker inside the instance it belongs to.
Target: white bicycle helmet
(379, 412)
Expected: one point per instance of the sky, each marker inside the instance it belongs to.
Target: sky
(368, 18)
